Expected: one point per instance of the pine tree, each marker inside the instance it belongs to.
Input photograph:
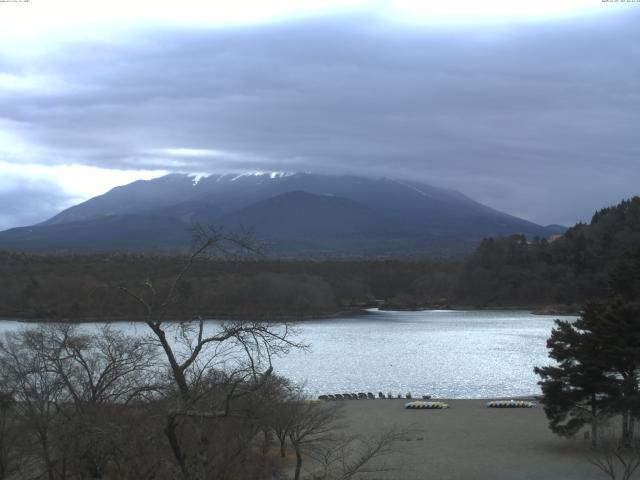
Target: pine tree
(598, 369)
(625, 277)
(575, 391)
(618, 329)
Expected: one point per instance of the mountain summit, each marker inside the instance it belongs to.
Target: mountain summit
(297, 214)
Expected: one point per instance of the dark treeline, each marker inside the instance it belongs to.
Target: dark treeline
(568, 270)
(86, 286)
(503, 272)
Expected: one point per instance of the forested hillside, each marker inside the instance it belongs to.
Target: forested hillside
(503, 272)
(567, 270)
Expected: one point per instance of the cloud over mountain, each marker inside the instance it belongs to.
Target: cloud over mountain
(538, 119)
(291, 214)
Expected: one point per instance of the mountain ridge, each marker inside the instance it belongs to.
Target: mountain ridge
(296, 213)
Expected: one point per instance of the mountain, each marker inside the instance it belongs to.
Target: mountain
(294, 214)
(301, 213)
(113, 232)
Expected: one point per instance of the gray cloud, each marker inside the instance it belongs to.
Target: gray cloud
(26, 203)
(539, 120)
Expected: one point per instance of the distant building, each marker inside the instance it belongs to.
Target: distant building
(554, 237)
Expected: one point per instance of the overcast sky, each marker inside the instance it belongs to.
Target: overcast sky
(532, 108)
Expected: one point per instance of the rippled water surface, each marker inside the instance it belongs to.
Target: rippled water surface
(448, 354)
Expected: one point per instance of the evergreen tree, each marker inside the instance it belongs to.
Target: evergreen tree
(625, 277)
(597, 371)
(577, 388)
(618, 330)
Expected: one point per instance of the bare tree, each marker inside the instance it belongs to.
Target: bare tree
(617, 459)
(238, 353)
(99, 366)
(349, 456)
(68, 387)
(9, 436)
(311, 424)
(281, 422)
(37, 393)
(313, 429)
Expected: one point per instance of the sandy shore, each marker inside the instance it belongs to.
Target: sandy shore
(469, 441)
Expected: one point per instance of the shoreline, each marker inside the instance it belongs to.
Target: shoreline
(296, 317)
(275, 318)
(534, 397)
(560, 310)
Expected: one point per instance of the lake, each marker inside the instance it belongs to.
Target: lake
(446, 354)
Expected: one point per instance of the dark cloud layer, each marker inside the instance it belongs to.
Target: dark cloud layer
(539, 120)
(27, 203)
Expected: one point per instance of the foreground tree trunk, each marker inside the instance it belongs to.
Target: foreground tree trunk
(298, 462)
(283, 447)
(172, 437)
(626, 441)
(594, 422)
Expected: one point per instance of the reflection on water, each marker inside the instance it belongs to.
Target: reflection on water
(447, 354)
